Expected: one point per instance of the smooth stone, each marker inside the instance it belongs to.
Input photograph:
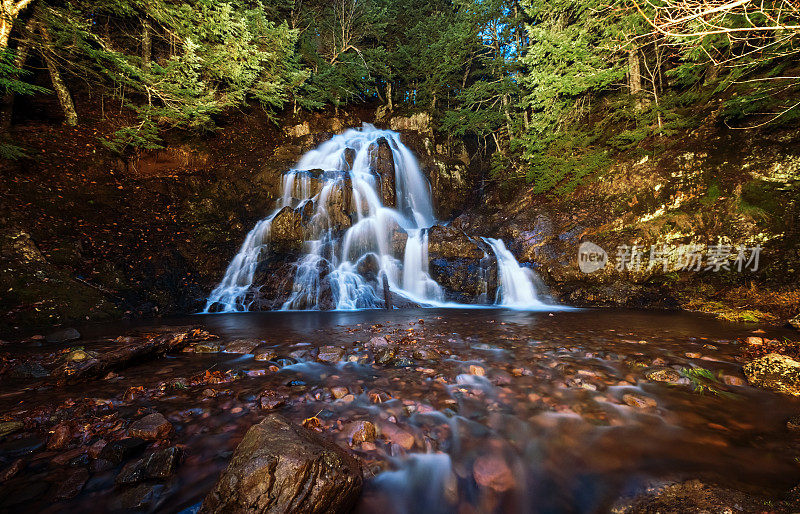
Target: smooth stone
(283, 467)
(151, 427)
(330, 354)
(639, 401)
(493, 472)
(360, 432)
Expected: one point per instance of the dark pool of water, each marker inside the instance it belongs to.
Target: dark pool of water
(527, 413)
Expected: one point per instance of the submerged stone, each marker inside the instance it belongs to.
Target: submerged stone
(282, 467)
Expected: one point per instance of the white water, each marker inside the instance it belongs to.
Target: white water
(516, 287)
(328, 274)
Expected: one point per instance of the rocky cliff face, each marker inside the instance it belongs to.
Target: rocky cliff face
(86, 235)
(687, 211)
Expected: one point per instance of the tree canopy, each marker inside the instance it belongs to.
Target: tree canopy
(527, 78)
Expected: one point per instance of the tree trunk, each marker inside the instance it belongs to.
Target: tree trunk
(634, 71)
(9, 10)
(147, 45)
(389, 96)
(64, 98)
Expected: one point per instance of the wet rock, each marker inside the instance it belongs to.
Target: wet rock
(776, 372)
(639, 401)
(118, 451)
(64, 335)
(396, 435)
(662, 374)
(493, 472)
(286, 234)
(339, 392)
(382, 163)
(448, 242)
(29, 370)
(151, 427)
(163, 463)
(12, 469)
(360, 432)
(425, 354)
(131, 473)
(795, 322)
(9, 427)
(732, 380)
(60, 437)
(207, 347)
(282, 467)
(271, 399)
(140, 497)
(96, 448)
(242, 346)
(377, 343)
(264, 355)
(385, 356)
(331, 354)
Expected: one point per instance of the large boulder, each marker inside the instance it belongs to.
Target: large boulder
(286, 234)
(451, 243)
(465, 267)
(382, 163)
(774, 371)
(283, 467)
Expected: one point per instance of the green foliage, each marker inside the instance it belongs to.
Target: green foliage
(705, 381)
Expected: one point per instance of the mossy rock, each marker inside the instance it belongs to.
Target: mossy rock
(774, 371)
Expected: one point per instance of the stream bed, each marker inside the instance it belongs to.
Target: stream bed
(474, 410)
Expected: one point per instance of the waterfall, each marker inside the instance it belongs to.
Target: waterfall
(361, 207)
(516, 287)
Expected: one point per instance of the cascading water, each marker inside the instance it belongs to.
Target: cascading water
(362, 209)
(516, 284)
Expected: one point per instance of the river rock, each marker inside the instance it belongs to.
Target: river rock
(795, 322)
(117, 451)
(360, 432)
(242, 346)
(396, 435)
(774, 371)
(662, 374)
(271, 399)
(331, 354)
(63, 335)
(60, 437)
(151, 427)
(493, 472)
(283, 467)
(163, 463)
(639, 401)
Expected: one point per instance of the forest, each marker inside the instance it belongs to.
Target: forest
(522, 77)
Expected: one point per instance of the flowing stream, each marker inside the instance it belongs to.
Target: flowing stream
(350, 243)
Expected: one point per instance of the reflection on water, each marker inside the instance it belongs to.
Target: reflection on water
(508, 411)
